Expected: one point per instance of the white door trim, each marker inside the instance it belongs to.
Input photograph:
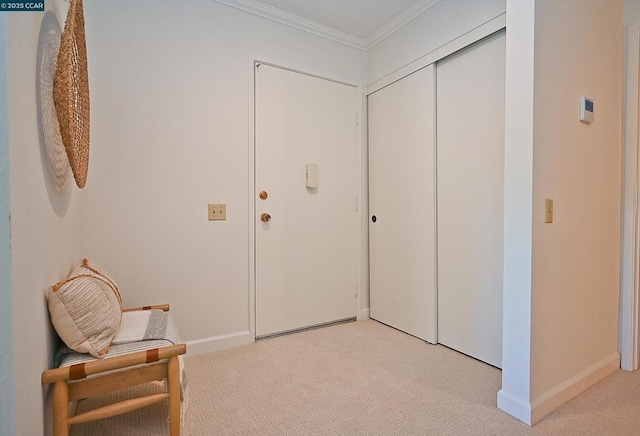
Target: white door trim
(252, 60)
(251, 140)
(630, 243)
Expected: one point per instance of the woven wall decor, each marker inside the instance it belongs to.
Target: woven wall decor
(49, 44)
(71, 93)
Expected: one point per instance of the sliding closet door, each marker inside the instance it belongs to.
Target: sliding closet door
(470, 199)
(402, 204)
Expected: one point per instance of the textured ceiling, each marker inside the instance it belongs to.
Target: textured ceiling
(360, 18)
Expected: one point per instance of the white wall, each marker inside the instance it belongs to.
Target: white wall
(447, 20)
(45, 227)
(576, 260)
(573, 326)
(7, 385)
(170, 99)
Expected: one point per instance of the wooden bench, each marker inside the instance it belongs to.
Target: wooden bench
(109, 374)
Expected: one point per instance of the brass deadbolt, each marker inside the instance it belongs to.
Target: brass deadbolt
(263, 195)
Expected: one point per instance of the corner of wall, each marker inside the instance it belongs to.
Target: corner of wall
(630, 294)
(363, 314)
(518, 202)
(45, 241)
(7, 383)
(533, 412)
(517, 407)
(556, 397)
(217, 343)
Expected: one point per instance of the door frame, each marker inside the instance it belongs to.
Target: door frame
(495, 25)
(630, 242)
(358, 200)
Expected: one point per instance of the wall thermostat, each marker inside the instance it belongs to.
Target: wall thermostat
(586, 110)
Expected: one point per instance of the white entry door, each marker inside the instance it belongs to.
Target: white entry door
(471, 199)
(306, 230)
(402, 204)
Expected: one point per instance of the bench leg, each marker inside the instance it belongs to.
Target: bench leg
(173, 382)
(60, 409)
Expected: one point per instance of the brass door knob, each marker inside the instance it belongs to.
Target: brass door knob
(263, 195)
(265, 217)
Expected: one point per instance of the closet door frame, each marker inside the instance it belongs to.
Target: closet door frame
(492, 26)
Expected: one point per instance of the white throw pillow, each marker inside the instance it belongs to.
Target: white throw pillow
(94, 270)
(86, 312)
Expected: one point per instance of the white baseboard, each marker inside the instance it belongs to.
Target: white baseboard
(364, 314)
(223, 342)
(217, 343)
(531, 413)
(514, 406)
(556, 397)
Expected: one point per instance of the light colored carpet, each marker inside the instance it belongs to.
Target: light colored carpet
(364, 378)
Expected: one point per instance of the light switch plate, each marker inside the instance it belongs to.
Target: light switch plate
(548, 211)
(217, 212)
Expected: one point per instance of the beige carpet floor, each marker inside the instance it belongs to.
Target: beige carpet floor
(363, 378)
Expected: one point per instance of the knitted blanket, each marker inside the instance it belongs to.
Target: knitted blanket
(139, 330)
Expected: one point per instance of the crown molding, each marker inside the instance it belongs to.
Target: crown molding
(299, 23)
(296, 22)
(402, 19)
